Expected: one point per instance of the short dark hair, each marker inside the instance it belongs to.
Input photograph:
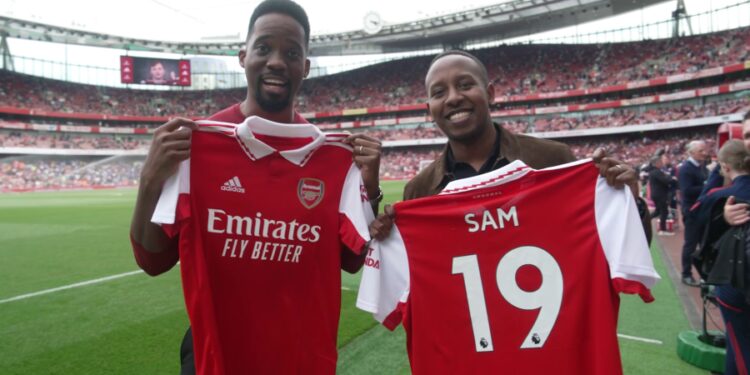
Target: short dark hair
(460, 52)
(287, 7)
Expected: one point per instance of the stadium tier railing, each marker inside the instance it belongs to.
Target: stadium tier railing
(653, 82)
(408, 120)
(668, 125)
(394, 109)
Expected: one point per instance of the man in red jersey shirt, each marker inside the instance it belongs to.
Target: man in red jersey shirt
(275, 63)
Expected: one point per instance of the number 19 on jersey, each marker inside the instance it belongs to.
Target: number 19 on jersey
(547, 298)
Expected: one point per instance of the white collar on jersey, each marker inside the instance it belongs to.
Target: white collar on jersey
(257, 149)
(510, 172)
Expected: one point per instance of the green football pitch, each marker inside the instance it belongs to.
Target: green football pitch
(73, 302)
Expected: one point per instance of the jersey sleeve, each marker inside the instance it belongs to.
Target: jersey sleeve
(624, 241)
(174, 203)
(355, 212)
(384, 288)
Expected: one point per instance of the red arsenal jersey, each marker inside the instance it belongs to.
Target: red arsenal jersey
(262, 210)
(515, 271)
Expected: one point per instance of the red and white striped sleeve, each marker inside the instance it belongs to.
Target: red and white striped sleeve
(384, 289)
(174, 203)
(624, 241)
(355, 212)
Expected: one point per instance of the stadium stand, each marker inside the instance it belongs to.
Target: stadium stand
(515, 69)
(46, 172)
(75, 141)
(46, 114)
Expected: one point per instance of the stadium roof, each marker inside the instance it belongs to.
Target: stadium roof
(493, 22)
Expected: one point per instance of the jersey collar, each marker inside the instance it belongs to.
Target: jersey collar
(257, 149)
(510, 172)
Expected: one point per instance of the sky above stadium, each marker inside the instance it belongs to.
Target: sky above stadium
(194, 20)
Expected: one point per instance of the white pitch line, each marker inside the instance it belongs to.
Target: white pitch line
(113, 277)
(71, 286)
(642, 339)
(82, 283)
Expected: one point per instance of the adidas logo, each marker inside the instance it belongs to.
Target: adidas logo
(234, 185)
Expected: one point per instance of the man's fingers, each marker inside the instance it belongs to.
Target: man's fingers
(178, 155)
(598, 155)
(360, 137)
(380, 228)
(731, 200)
(177, 145)
(389, 211)
(176, 123)
(180, 134)
(363, 144)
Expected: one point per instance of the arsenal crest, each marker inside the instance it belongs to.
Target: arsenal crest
(310, 192)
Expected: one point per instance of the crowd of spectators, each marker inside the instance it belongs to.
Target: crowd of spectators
(396, 163)
(518, 69)
(633, 149)
(580, 120)
(637, 149)
(76, 141)
(525, 69)
(621, 117)
(515, 69)
(40, 173)
(531, 124)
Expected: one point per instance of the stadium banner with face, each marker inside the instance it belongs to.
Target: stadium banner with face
(150, 71)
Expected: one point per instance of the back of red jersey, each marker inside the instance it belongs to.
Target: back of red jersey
(516, 271)
(262, 211)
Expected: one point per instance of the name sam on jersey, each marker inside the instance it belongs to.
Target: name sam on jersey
(491, 219)
(265, 231)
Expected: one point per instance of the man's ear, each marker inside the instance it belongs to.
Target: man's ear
(490, 93)
(241, 55)
(307, 68)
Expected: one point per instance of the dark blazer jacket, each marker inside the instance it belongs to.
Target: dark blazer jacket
(537, 153)
(691, 179)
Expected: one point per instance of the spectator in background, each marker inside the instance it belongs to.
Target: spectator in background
(739, 213)
(660, 183)
(691, 177)
(670, 170)
(734, 161)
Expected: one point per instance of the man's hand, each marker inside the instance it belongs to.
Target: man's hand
(169, 147)
(617, 173)
(380, 228)
(734, 213)
(367, 151)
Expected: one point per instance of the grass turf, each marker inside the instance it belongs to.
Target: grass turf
(134, 324)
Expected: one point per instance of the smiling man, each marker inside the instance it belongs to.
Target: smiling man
(275, 63)
(459, 95)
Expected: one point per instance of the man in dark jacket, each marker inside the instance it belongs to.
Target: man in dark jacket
(660, 183)
(691, 177)
(459, 94)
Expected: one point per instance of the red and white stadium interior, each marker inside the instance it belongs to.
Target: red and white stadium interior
(630, 97)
